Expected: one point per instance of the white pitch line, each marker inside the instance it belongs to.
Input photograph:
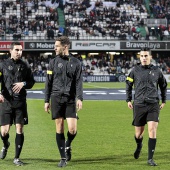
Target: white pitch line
(90, 91)
(99, 87)
(122, 91)
(117, 93)
(96, 93)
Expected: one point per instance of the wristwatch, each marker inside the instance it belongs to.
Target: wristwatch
(24, 83)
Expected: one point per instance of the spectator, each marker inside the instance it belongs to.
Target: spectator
(77, 35)
(50, 34)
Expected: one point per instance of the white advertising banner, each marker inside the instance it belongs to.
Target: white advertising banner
(95, 45)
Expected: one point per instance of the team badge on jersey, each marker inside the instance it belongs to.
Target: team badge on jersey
(60, 65)
(10, 68)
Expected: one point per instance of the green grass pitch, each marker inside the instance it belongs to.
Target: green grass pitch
(105, 140)
(94, 85)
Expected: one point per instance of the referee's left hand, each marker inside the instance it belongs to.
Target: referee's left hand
(79, 105)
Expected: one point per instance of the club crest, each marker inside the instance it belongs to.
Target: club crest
(60, 65)
(10, 68)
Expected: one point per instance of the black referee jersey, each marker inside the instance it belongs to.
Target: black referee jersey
(146, 80)
(64, 77)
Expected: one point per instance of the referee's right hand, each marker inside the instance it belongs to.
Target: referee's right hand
(47, 107)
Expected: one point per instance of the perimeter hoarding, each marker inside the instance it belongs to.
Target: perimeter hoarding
(75, 45)
(39, 46)
(95, 45)
(136, 45)
(82, 45)
(5, 45)
(93, 78)
(100, 45)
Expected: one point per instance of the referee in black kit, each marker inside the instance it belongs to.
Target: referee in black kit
(146, 79)
(64, 87)
(16, 77)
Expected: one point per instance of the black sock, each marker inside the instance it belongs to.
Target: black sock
(19, 140)
(5, 139)
(139, 141)
(151, 147)
(70, 138)
(60, 139)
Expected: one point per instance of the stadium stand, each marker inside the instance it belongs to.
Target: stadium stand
(84, 19)
(105, 20)
(28, 20)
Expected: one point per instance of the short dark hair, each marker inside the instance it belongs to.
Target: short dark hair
(146, 49)
(64, 40)
(15, 43)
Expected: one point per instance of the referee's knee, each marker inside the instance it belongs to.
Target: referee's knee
(4, 133)
(72, 131)
(4, 130)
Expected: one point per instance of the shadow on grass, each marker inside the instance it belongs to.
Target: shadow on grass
(162, 157)
(30, 161)
(126, 158)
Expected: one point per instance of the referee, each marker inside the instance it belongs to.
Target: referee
(16, 77)
(146, 79)
(64, 88)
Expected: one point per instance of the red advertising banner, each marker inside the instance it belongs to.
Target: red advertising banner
(5, 45)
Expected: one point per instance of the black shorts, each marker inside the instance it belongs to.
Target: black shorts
(63, 106)
(14, 112)
(142, 113)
